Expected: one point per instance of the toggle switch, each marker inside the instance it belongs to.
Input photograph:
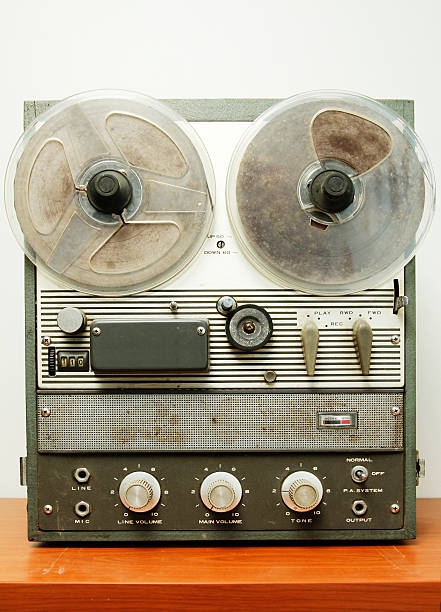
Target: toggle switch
(359, 473)
(362, 333)
(310, 341)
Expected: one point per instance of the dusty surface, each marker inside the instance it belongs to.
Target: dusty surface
(277, 230)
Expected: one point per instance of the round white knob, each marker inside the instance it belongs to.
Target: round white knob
(71, 320)
(139, 491)
(302, 491)
(221, 491)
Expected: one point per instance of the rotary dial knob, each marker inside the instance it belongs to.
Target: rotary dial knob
(139, 491)
(302, 491)
(71, 320)
(221, 491)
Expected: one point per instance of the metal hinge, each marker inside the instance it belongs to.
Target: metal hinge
(420, 468)
(399, 300)
(23, 472)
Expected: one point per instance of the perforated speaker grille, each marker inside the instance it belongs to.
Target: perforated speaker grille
(215, 421)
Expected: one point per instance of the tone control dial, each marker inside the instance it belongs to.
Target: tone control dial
(221, 491)
(139, 491)
(302, 491)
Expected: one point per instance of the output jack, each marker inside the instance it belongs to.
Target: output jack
(81, 474)
(82, 509)
(359, 507)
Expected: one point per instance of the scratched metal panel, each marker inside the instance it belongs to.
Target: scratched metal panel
(215, 421)
(337, 363)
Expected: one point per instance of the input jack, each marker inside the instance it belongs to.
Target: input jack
(82, 474)
(359, 507)
(82, 509)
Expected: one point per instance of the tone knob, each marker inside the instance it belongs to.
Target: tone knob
(71, 320)
(139, 491)
(302, 491)
(221, 491)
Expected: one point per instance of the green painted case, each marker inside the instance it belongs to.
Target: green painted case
(221, 110)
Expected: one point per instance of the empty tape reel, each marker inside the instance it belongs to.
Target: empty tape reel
(110, 192)
(330, 192)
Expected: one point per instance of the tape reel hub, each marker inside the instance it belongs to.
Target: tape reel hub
(332, 191)
(130, 211)
(109, 191)
(327, 210)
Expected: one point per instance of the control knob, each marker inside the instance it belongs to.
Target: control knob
(302, 491)
(71, 320)
(221, 491)
(139, 491)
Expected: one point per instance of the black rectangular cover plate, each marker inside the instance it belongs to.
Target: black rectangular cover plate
(149, 345)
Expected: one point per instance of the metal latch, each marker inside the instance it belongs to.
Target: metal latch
(399, 300)
(420, 468)
(23, 473)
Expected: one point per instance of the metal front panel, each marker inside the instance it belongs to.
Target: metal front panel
(214, 421)
(219, 269)
(52, 473)
(261, 506)
(337, 363)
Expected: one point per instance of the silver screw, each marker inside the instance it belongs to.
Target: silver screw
(173, 306)
(46, 340)
(45, 412)
(201, 330)
(395, 339)
(395, 410)
(96, 331)
(48, 509)
(270, 376)
(395, 508)
(227, 302)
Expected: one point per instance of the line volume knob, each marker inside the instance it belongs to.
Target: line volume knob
(139, 491)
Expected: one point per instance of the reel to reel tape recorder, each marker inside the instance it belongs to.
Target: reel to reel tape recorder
(232, 371)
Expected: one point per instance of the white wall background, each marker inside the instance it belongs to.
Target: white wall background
(232, 48)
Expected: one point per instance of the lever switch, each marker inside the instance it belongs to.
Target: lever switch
(310, 341)
(362, 333)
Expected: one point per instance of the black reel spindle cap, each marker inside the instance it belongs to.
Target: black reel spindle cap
(332, 191)
(109, 191)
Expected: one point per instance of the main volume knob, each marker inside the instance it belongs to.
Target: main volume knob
(302, 491)
(139, 491)
(221, 491)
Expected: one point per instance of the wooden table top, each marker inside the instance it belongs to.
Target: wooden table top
(344, 576)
